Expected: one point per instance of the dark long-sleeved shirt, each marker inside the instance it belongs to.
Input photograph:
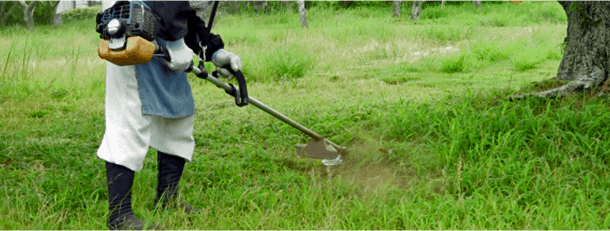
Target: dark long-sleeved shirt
(179, 20)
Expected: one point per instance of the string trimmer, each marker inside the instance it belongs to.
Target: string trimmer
(130, 41)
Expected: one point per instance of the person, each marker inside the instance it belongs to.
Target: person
(151, 105)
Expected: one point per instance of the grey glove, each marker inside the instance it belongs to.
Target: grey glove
(222, 58)
(181, 55)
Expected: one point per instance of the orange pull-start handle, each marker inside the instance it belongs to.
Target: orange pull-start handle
(138, 51)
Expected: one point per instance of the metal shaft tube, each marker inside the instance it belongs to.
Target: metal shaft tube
(270, 111)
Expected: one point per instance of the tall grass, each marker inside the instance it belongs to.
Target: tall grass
(432, 145)
(283, 62)
(496, 15)
(523, 51)
(538, 155)
(49, 59)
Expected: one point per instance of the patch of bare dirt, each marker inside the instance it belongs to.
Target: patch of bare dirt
(366, 166)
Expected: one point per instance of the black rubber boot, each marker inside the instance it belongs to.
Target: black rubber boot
(120, 181)
(170, 171)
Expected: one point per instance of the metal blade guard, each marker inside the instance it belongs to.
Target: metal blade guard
(320, 149)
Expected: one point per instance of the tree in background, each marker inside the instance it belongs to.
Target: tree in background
(396, 6)
(416, 9)
(28, 13)
(302, 13)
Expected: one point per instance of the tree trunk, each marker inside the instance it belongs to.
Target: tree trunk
(396, 5)
(28, 17)
(587, 41)
(6, 9)
(302, 13)
(415, 9)
(28, 13)
(587, 48)
(476, 3)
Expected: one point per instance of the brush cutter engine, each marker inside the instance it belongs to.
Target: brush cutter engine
(128, 29)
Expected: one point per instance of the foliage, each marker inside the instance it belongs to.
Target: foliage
(44, 13)
(17, 15)
(79, 14)
(7, 5)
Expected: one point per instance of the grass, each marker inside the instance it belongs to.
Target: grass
(282, 63)
(420, 105)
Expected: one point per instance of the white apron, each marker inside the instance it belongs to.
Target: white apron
(129, 133)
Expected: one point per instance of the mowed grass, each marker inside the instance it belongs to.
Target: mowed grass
(434, 144)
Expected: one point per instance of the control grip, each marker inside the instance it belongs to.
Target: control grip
(241, 99)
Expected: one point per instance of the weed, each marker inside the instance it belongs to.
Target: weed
(527, 59)
(39, 114)
(59, 93)
(489, 50)
(282, 63)
(454, 64)
(445, 34)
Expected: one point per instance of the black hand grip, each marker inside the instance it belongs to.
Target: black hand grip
(242, 99)
(243, 91)
(162, 52)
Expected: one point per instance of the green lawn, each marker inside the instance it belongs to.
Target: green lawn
(433, 142)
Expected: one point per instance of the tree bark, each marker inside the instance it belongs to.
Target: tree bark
(586, 59)
(7, 13)
(415, 9)
(28, 13)
(396, 5)
(476, 3)
(302, 13)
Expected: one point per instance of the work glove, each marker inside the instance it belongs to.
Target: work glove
(222, 58)
(181, 55)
